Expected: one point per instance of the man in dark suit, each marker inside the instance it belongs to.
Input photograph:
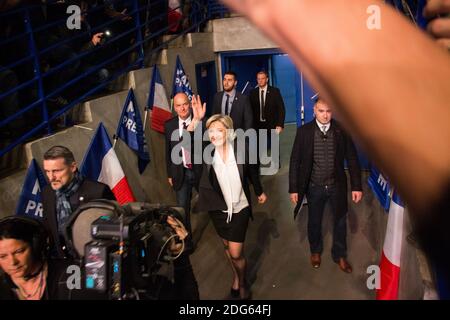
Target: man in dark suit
(268, 109)
(180, 169)
(267, 104)
(232, 103)
(317, 171)
(66, 191)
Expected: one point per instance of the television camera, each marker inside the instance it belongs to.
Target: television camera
(124, 249)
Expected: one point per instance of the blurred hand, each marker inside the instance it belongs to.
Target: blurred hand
(439, 27)
(356, 196)
(97, 38)
(262, 198)
(294, 198)
(279, 129)
(170, 181)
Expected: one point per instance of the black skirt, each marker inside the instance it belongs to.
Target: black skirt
(236, 229)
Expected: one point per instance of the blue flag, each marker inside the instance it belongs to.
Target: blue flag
(131, 131)
(380, 186)
(180, 81)
(30, 202)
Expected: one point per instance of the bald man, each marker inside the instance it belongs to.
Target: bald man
(180, 171)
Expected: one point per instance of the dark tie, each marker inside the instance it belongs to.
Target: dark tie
(262, 105)
(227, 104)
(187, 154)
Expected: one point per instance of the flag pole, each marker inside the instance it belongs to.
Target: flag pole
(145, 119)
(245, 87)
(115, 141)
(302, 108)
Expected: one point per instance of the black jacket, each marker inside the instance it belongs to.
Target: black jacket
(210, 194)
(274, 110)
(89, 190)
(301, 163)
(56, 287)
(175, 171)
(241, 111)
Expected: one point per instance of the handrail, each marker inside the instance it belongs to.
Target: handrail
(198, 15)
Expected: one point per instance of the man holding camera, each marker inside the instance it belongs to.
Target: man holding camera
(66, 191)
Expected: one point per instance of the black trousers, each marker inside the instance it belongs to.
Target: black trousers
(317, 197)
(184, 196)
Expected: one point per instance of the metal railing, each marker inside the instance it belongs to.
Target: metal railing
(45, 89)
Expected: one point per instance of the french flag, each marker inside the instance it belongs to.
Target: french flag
(392, 250)
(101, 164)
(158, 103)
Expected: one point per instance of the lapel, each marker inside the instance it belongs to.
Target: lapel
(267, 97)
(218, 102)
(175, 126)
(234, 104)
(52, 216)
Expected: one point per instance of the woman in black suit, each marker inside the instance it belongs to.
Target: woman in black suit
(224, 192)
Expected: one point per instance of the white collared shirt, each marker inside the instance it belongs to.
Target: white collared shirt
(230, 182)
(321, 126)
(261, 118)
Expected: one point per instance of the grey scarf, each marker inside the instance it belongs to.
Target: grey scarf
(63, 207)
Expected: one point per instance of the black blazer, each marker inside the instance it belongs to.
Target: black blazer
(301, 163)
(175, 171)
(210, 194)
(274, 111)
(241, 111)
(89, 190)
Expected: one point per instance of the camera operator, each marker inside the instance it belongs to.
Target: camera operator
(66, 191)
(184, 286)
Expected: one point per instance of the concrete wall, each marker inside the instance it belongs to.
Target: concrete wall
(238, 33)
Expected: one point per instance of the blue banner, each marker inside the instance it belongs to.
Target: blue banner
(180, 81)
(380, 186)
(30, 202)
(131, 131)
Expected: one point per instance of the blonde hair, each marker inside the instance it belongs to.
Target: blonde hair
(226, 121)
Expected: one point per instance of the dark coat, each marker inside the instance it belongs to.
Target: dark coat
(175, 171)
(241, 110)
(274, 110)
(301, 163)
(210, 194)
(89, 190)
